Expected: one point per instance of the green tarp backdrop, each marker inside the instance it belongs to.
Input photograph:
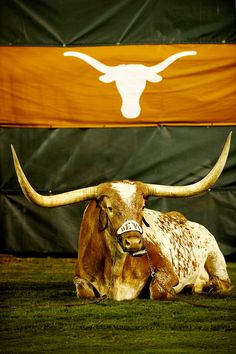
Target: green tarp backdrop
(99, 22)
(58, 160)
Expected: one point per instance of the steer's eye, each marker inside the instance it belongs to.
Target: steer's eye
(110, 209)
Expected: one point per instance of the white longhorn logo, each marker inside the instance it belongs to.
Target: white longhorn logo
(130, 78)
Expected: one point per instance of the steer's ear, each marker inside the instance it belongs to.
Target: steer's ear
(152, 77)
(106, 78)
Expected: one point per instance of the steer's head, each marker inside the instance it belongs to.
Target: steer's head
(121, 203)
(121, 206)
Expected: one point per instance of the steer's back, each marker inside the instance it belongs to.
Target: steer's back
(187, 245)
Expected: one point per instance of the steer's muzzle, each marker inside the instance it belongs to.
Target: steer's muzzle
(130, 238)
(132, 242)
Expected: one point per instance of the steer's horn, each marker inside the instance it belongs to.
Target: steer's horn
(52, 200)
(165, 63)
(91, 61)
(195, 188)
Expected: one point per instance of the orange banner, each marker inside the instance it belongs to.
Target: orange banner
(142, 85)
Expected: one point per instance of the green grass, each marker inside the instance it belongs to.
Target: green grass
(35, 316)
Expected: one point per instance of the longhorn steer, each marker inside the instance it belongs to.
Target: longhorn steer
(130, 79)
(125, 249)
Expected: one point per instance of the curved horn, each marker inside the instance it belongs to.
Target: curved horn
(52, 200)
(91, 61)
(195, 188)
(165, 63)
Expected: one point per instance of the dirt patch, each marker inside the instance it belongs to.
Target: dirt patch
(9, 259)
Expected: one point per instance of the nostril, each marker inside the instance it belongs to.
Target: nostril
(127, 243)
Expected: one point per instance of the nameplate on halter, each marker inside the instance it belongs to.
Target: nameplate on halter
(129, 225)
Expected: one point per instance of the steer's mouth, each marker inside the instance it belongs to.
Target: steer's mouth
(138, 253)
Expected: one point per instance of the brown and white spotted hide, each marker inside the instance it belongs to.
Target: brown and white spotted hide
(191, 250)
(170, 254)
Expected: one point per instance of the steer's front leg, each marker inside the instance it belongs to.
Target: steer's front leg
(160, 289)
(164, 278)
(84, 289)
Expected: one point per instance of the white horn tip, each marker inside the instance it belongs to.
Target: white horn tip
(229, 137)
(13, 150)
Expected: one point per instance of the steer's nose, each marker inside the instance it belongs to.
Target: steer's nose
(132, 242)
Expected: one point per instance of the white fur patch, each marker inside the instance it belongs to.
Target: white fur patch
(126, 191)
